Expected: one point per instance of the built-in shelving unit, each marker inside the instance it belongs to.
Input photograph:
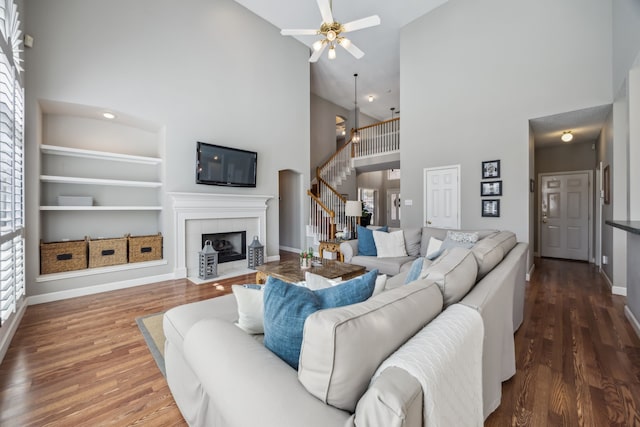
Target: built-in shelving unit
(115, 165)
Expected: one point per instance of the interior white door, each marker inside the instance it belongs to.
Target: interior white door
(442, 197)
(564, 216)
(393, 207)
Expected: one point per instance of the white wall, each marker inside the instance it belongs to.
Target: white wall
(202, 70)
(323, 130)
(471, 76)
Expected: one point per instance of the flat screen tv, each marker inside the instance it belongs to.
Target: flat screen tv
(217, 165)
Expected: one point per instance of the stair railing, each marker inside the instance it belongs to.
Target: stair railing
(321, 219)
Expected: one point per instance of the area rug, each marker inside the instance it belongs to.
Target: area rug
(151, 328)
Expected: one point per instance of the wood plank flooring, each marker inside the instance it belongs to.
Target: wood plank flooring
(83, 361)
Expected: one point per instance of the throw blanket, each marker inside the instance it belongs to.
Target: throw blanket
(446, 358)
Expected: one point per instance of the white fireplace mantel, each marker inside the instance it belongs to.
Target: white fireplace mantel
(204, 206)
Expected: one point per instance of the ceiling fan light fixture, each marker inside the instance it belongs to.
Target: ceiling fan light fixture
(332, 52)
(317, 45)
(331, 35)
(567, 136)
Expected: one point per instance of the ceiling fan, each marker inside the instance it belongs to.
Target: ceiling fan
(332, 31)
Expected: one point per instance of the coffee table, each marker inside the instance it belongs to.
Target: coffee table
(290, 271)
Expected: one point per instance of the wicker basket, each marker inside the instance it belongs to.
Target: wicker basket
(145, 248)
(56, 257)
(105, 252)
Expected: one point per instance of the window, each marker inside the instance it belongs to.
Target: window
(12, 280)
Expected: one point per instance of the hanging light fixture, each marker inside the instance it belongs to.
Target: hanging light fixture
(566, 136)
(356, 136)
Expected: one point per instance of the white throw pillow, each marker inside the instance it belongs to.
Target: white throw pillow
(434, 245)
(250, 308)
(381, 283)
(315, 281)
(389, 245)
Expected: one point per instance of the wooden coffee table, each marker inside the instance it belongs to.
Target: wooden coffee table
(290, 271)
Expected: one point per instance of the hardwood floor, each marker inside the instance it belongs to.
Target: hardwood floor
(83, 361)
(577, 356)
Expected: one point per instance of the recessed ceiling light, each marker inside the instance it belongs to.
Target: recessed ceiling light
(370, 98)
(566, 136)
(108, 115)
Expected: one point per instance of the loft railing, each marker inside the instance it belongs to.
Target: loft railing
(328, 206)
(378, 138)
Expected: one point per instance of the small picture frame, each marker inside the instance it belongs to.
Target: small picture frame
(606, 178)
(491, 208)
(491, 169)
(491, 188)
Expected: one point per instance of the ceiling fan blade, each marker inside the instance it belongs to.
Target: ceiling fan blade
(317, 53)
(351, 48)
(359, 24)
(325, 11)
(299, 32)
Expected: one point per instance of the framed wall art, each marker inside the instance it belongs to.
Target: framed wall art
(606, 178)
(491, 169)
(491, 188)
(491, 208)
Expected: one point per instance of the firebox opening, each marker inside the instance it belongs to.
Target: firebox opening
(231, 246)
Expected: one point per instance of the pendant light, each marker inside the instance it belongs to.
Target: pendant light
(356, 136)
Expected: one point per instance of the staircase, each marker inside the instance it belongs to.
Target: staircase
(327, 207)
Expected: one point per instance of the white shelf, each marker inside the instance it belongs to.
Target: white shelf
(98, 181)
(100, 208)
(100, 155)
(99, 270)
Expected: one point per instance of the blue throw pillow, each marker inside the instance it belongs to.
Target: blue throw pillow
(366, 244)
(287, 306)
(414, 271)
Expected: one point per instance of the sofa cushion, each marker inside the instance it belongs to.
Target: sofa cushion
(250, 307)
(433, 248)
(287, 306)
(488, 253)
(343, 347)
(366, 244)
(455, 273)
(412, 239)
(389, 245)
(390, 266)
(316, 281)
(507, 240)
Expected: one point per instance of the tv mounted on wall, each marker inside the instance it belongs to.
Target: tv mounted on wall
(217, 165)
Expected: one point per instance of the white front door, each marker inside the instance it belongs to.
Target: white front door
(393, 207)
(564, 216)
(442, 197)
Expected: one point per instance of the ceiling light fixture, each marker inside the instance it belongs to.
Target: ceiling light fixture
(356, 135)
(332, 52)
(108, 115)
(566, 136)
(370, 98)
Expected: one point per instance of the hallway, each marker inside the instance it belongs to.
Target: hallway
(577, 356)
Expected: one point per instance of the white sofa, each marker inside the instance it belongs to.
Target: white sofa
(221, 376)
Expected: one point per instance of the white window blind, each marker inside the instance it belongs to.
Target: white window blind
(12, 282)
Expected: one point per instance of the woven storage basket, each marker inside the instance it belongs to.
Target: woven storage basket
(105, 252)
(145, 248)
(56, 257)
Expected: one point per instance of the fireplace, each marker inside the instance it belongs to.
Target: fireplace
(231, 245)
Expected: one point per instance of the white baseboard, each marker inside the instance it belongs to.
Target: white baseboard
(619, 290)
(9, 331)
(527, 276)
(90, 290)
(633, 320)
(615, 290)
(290, 249)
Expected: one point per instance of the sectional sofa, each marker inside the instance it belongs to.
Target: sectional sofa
(355, 362)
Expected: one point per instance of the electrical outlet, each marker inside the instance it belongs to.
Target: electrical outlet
(605, 259)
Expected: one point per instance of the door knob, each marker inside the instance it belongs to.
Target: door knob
(428, 222)
(544, 219)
